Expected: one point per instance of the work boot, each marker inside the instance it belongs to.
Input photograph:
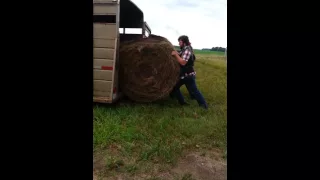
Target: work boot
(205, 106)
(184, 104)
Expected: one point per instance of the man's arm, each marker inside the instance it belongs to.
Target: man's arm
(185, 57)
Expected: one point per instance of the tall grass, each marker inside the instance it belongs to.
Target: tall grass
(161, 131)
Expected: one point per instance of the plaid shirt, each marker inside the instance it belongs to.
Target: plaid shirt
(185, 54)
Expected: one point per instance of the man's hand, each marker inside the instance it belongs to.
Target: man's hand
(174, 53)
(178, 58)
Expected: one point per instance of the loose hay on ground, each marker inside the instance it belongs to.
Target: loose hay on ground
(148, 72)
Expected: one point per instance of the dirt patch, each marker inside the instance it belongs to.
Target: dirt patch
(202, 165)
(103, 164)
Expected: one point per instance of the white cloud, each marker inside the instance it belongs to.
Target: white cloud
(204, 21)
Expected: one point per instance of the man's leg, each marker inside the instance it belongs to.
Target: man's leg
(177, 93)
(190, 93)
(191, 84)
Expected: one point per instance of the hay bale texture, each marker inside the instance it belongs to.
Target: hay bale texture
(148, 72)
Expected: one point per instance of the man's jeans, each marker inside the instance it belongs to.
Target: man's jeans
(192, 88)
(172, 95)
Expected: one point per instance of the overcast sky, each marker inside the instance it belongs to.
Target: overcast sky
(204, 21)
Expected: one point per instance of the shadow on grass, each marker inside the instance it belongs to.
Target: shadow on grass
(167, 102)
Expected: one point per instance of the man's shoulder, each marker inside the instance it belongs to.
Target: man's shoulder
(188, 48)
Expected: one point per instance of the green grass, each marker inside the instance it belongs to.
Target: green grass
(158, 133)
(218, 53)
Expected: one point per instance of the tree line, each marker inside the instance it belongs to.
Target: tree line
(222, 49)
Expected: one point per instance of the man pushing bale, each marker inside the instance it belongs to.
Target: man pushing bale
(150, 69)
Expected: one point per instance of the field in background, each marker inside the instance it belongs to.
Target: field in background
(142, 141)
(203, 52)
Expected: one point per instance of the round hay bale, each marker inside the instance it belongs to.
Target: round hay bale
(148, 72)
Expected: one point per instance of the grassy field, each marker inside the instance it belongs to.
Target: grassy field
(141, 140)
(203, 52)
